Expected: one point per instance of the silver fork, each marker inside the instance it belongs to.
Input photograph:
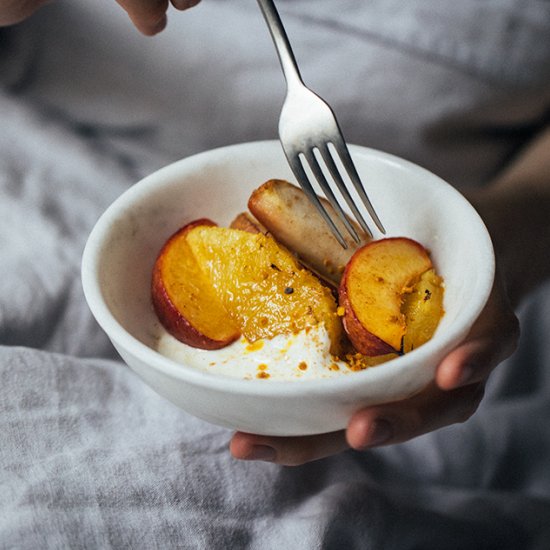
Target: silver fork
(307, 127)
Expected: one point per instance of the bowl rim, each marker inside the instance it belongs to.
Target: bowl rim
(272, 388)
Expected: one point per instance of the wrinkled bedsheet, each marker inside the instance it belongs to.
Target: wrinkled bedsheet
(90, 457)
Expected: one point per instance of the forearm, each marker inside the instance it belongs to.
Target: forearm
(516, 210)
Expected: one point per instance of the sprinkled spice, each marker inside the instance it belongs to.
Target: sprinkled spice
(358, 361)
(427, 295)
(302, 365)
(289, 290)
(355, 361)
(255, 346)
(263, 375)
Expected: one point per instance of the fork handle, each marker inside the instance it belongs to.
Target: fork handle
(280, 39)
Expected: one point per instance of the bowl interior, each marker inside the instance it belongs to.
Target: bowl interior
(410, 201)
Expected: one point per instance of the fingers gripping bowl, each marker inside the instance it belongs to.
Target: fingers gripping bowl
(121, 251)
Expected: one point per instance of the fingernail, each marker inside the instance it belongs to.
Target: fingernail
(381, 433)
(184, 4)
(160, 25)
(262, 452)
(466, 375)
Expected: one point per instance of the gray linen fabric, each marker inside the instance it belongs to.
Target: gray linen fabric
(92, 458)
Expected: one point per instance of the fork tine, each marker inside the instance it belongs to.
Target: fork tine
(347, 161)
(309, 156)
(336, 176)
(301, 176)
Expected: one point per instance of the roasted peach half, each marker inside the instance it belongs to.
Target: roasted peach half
(391, 296)
(222, 283)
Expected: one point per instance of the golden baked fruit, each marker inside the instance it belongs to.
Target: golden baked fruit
(261, 277)
(213, 284)
(391, 296)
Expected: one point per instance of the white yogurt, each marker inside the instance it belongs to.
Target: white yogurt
(296, 357)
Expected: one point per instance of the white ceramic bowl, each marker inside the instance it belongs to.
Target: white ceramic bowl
(121, 250)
